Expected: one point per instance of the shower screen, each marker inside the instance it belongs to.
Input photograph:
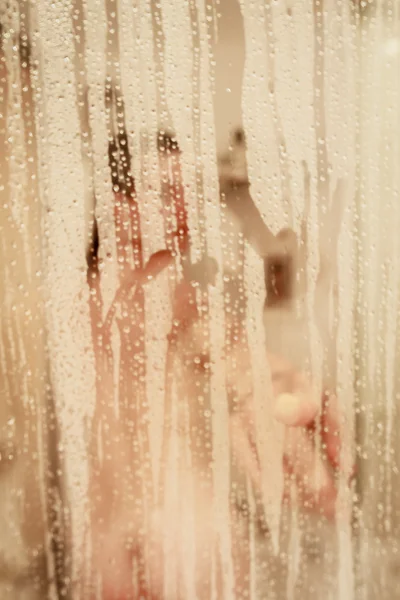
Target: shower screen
(200, 266)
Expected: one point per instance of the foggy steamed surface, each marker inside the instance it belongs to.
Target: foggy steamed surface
(132, 391)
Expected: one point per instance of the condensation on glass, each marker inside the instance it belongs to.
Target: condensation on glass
(199, 259)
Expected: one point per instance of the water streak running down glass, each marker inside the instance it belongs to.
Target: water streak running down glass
(200, 268)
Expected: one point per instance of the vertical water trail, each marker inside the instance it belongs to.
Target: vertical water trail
(14, 121)
(377, 318)
(339, 247)
(378, 269)
(175, 79)
(345, 394)
(367, 101)
(72, 368)
(188, 95)
(138, 80)
(390, 223)
(78, 28)
(294, 553)
(97, 58)
(24, 402)
(141, 110)
(319, 198)
(179, 63)
(269, 434)
(258, 119)
(217, 326)
(261, 117)
(370, 179)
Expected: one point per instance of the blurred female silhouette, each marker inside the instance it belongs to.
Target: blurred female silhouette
(131, 520)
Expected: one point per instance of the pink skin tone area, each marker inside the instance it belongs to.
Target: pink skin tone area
(132, 535)
(122, 538)
(299, 412)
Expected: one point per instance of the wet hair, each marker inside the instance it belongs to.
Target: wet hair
(24, 51)
(238, 136)
(278, 273)
(92, 254)
(166, 142)
(119, 160)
